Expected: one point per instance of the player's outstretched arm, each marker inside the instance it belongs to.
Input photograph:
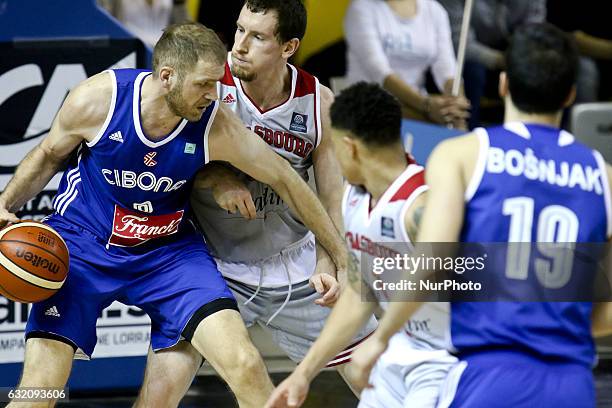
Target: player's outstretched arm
(230, 141)
(79, 119)
(349, 314)
(328, 178)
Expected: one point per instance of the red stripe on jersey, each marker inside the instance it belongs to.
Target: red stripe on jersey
(305, 84)
(345, 356)
(414, 182)
(337, 363)
(228, 79)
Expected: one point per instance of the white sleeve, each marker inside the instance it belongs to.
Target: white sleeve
(363, 40)
(445, 64)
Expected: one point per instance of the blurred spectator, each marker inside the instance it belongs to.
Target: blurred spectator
(146, 19)
(394, 43)
(492, 24)
(592, 31)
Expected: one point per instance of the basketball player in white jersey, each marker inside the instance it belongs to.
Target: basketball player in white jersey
(280, 277)
(381, 207)
(158, 262)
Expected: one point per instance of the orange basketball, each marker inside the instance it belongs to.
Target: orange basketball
(33, 262)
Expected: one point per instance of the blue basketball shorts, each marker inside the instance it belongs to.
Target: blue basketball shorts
(174, 280)
(514, 379)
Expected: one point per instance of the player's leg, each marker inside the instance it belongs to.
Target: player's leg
(297, 322)
(187, 298)
(341, 369)
(66, 322)
(47, 364)
(406, 377)
(183, 361)
(223, 340)
(162, 390)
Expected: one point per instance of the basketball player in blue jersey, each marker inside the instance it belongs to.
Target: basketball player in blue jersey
(122, 209)
(517, 354)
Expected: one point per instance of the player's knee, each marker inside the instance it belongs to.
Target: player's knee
(247, 367)
(167, 395)
(47, 363)
(161, 391)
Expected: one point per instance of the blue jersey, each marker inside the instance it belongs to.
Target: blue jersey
(127, 189)
(532, 183)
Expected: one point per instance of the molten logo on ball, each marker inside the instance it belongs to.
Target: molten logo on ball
(46, 239)
(37, 261)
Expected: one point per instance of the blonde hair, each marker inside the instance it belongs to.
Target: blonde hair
(181, 46)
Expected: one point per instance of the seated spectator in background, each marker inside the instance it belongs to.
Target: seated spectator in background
(491, 25)
(146, 19)
(394, 43)
(590, 26)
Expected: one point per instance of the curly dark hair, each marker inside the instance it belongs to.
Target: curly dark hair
(291, 16)
(369, 112)
(542, 64)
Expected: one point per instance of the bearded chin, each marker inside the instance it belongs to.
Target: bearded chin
(173, 99)
(242, 75)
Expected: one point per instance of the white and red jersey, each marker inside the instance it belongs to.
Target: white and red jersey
(293, 130)
(380, 232)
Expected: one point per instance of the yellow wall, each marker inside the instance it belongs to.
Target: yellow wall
(324, 26)
(192, 8)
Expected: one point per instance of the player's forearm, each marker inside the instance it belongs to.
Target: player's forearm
(345, 320)
(394, 318)
(31, 176)
(330, 190)
(296, 193)
(213, 174)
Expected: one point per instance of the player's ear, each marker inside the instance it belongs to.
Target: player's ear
(503, 84)
(290, 47)
(351, 147)
(167, 76)
(571, 97)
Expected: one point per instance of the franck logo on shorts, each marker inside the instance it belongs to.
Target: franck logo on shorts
(298, 122)
(386, 227)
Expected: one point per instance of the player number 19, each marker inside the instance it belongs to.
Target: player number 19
(556, 224)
